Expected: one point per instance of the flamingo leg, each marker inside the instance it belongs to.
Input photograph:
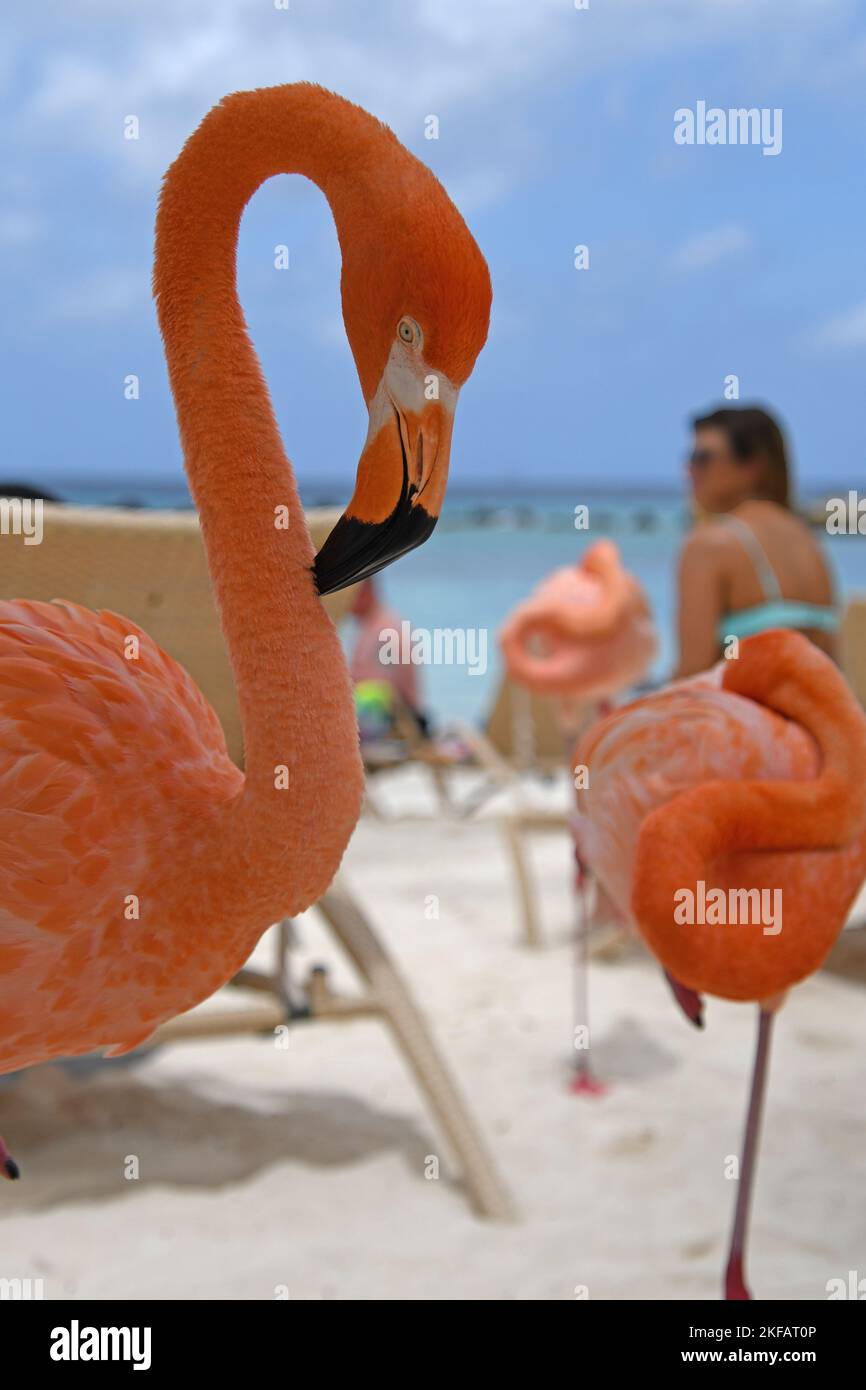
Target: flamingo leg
(584, 1082)
(735, 1279)
(8, 1167)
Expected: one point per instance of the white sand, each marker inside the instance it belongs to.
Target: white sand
(261, 1167)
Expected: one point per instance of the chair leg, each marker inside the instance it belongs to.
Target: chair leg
(487, 1192)
(440, 782)
(513, 831)
(371, 805)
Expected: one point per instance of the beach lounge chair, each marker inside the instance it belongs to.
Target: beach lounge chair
(150, 566)
(848, 956)
(406, 743)
(852, 641)
(522, 739)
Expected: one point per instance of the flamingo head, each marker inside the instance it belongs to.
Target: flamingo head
(416, 305)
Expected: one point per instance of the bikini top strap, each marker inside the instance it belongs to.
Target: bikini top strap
(766, 573)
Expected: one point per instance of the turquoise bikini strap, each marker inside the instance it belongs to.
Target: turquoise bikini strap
(765, 572)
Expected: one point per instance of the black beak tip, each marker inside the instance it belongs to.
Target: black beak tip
(355, 550)
(11, 1169)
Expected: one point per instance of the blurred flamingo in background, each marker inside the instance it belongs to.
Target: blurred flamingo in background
(139, 866)
(584, 635)
(749, 778)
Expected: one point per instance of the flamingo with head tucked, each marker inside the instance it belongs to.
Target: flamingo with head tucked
(585, 632)
(749, 779)
(138, 865)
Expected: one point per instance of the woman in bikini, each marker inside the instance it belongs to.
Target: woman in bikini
(752, 563)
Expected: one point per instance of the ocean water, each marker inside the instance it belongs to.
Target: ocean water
(481, 561)
(491, 548)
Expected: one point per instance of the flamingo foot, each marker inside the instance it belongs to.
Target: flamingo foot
(735, 1282)
(8, 1167)
(583, 1083)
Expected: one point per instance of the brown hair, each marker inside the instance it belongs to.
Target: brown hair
(754, 434)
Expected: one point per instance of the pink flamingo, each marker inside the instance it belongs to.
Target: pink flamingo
(747, 780)
(139, 865)
(584, 634)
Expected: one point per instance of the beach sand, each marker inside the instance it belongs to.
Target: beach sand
(265, 1170)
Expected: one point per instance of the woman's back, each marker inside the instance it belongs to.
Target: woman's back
(793, 570)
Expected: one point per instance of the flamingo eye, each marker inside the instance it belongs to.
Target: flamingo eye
(409, 332)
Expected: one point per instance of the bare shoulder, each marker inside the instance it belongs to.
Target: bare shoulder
(773, 523)
(707, 545)
(769, 517)
(793, 549)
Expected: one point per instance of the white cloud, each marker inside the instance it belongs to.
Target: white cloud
(845, 330)
(176, 62)
(472, 64)
(481, 67)
(701, 252)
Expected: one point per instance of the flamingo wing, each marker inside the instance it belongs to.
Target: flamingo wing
(105, 744)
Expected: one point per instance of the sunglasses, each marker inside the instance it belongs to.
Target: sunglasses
(699, 458)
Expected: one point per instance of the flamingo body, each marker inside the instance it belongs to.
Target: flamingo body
(707, 782)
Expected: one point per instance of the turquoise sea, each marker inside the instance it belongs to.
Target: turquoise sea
(491, 547)
(478, 564)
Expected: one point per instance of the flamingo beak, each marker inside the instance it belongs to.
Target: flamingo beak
(398, 495)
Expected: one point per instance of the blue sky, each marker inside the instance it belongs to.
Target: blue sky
(556, 128)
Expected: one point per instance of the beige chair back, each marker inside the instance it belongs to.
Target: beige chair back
(525, 729)
(148, 566)
(853, 646)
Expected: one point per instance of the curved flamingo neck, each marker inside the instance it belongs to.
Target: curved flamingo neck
(293, 688)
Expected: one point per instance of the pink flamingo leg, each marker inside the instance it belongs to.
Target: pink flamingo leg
(8, 1167)
(583, 1083)
(735, 1278)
